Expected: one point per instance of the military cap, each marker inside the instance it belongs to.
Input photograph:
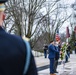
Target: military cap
(2, 6)
(3, 1)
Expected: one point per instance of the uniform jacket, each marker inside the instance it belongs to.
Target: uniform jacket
(52, 51)
(45, 48)
(13, 54)
(57, 53)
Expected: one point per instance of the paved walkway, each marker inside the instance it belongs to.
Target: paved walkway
(63, 69)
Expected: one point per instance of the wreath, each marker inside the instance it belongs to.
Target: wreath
(63, 50)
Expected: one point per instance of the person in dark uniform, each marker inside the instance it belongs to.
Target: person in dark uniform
(52, 52)
(75, 46)
(45, 50)
(67, 53)
(13, 51)
(68, 50)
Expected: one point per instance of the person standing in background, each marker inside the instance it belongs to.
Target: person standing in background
(75, 46)
(45, 51)
(68, 50)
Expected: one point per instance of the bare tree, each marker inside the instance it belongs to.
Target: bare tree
(53, 21)
(24, 17)
(56, 18)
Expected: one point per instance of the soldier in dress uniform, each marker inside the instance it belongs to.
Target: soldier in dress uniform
(13, 51)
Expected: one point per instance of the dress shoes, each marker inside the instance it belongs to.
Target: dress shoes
(53, 74)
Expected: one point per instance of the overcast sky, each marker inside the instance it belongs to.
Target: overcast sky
(67, 23)
(68, 1)
(69, 11)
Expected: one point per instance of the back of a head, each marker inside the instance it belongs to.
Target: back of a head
(2, 9)
(51, 41)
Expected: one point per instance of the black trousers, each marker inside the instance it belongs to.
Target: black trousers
(55, 65)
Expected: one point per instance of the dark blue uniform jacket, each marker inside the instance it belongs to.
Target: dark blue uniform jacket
(13, 54)
(52, 51)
